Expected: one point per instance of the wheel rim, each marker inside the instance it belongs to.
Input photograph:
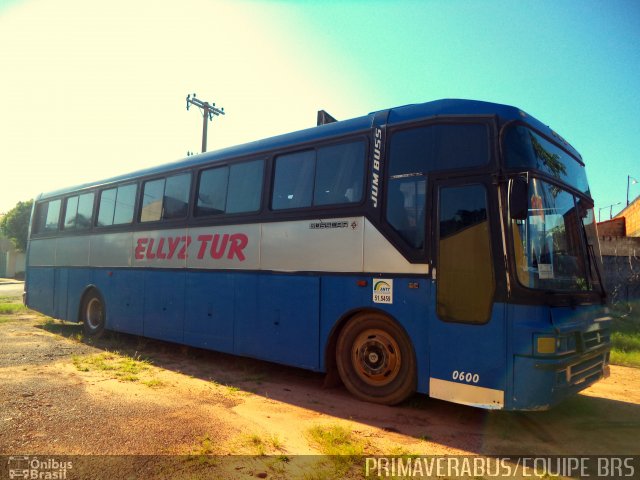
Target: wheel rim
(376, 357)
(93, 313)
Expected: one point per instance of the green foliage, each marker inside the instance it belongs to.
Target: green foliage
(15, 224)
(12, 308)
(336, 440)
(342, 446)
(9, 308)
(120, 367)
(625, 337)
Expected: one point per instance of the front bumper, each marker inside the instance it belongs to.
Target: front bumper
(539, 383)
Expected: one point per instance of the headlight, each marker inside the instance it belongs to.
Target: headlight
(554, 344)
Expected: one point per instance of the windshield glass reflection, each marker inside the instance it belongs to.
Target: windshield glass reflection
(526, 149)
(550, 243)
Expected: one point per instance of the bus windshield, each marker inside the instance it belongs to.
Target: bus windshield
(555, 244)
(525, 149)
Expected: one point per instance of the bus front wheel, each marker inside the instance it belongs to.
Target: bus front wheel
(93, 314)
(375, 359)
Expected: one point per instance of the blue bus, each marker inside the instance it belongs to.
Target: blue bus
(447, 248)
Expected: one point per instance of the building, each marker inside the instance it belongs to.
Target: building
(12, 262)
(631, 216)
(620, 248)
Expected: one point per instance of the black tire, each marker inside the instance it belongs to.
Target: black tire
(375, 359)
(93, 314)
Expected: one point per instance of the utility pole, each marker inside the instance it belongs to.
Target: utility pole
(208, 111)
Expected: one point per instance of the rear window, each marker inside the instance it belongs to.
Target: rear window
(47, 216)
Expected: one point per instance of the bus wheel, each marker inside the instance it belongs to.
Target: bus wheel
(93, 314)
(375, 359)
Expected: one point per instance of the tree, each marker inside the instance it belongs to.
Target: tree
(15, 224)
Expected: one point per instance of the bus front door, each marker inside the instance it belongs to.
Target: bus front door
(467, 329)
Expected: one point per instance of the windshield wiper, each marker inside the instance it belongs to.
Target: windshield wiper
(594, 264)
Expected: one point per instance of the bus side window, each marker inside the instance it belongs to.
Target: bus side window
(46, 217)
(71, 210)
(152, 201)
(230, 189)
(166, 199)
(125, 204)
(406, 208)
(416, 152)
(330, 175)
(406, 187)
(212, 191)
(339, 174)
(78, 212)
(176, 196)
(293, 183)
(245, 187)
(117, 205)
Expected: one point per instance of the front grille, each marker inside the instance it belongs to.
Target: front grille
(595, 338)
(586, 371)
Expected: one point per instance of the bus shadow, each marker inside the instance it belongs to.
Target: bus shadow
(580, 425)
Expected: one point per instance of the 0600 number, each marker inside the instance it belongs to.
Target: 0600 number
(467, 377)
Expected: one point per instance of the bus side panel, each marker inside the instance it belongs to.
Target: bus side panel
(61, 278)
(247, 316)
(78, 279)
(410, 308)
(123, 292)
(468, 361)
(70, 252)
(40, 289)
(209, 315)
(284, 327)
(40, 275)
(340, 295)
(164, 305)
(42, 252)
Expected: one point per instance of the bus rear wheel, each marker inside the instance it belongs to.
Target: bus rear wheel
(375, 359)
(93, 314)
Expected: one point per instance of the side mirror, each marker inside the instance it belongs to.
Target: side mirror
(583, 207)
(518, 198)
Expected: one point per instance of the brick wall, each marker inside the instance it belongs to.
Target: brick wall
(612, 228)
(631, 215)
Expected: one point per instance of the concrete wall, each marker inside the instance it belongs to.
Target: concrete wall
(12, 262)
(621, 259)
(15, 264)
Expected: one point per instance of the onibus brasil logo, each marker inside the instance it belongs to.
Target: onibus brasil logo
(38, 468)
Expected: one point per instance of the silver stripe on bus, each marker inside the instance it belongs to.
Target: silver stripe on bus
(42, 252)
(111, 250)
(313, 245)
(350, 244)
(75, 252)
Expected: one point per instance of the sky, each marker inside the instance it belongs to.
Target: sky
(94, 89)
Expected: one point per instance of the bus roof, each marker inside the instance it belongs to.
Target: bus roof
(445, 107)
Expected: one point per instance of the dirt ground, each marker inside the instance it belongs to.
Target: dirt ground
(189, 401)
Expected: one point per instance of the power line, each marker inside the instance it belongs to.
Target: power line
(208, 111)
